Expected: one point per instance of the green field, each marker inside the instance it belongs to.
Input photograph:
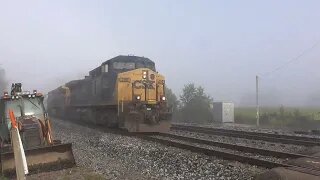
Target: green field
(298, 117)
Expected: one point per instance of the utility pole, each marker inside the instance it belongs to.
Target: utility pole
(257, 100)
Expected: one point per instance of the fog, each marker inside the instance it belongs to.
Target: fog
(220, 45)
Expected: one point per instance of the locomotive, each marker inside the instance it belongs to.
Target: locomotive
(125, 92)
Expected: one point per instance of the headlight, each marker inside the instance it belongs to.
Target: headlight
(29, 96)
(12, 97)
(17, 97)
(33, 96)
(144, 76)
(163, 98)
(138, 97)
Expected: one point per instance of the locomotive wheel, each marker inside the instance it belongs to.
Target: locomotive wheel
(1, 143)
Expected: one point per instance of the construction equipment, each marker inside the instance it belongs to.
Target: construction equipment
(42, 152)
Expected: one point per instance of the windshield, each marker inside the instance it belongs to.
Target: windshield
(33, 107)
(15, 106)
(27, 106)
(146, 65)
(124, 65)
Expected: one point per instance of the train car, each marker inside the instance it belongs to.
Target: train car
(125, 92)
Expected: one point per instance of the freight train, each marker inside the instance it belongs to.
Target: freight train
(125, 92)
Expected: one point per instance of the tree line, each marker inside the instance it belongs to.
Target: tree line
(192, 106)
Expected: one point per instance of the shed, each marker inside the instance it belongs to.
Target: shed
(223, 112)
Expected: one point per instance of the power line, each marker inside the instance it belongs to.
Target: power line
(277, 69)
(293, 59)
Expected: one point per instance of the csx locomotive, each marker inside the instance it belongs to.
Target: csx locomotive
(125, 92)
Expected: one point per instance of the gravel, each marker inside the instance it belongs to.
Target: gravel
(247, 154)
(122, 157)
(290, 148)
(250, 128)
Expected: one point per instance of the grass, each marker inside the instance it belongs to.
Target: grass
(247, 115)
(276, 109)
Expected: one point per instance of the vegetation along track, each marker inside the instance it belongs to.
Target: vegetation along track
(278, 138)
(201, 146)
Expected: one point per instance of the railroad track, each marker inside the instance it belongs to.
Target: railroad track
(196, 145)
(202, 146)
(312, 132)
(285, 139)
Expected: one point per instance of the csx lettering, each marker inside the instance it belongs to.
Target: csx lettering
(138, 84)
(161, 82)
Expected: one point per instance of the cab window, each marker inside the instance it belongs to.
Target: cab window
(14, 106)
(146, 65)
(104, 68)
(27, 106)
(33, 107)
(124, 65)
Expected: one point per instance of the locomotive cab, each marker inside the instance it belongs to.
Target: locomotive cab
(142, 104)
(29, 111)
(140, 95)
(123, 65)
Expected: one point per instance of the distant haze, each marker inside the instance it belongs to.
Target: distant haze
(220, 45)
(3, 82)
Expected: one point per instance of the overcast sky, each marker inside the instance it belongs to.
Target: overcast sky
(220, 45)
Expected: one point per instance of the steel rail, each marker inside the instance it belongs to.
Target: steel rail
(207, 151)
(229, 156)
(241, 148)
(286, 139)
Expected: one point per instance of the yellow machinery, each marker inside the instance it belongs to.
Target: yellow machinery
(41, 150)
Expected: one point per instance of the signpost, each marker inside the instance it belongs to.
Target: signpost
(257, 100)
(19, 155)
